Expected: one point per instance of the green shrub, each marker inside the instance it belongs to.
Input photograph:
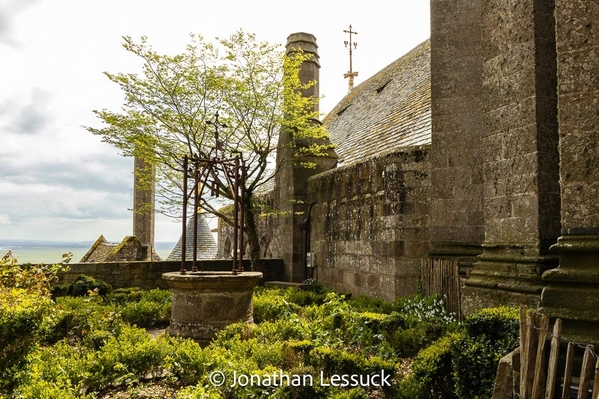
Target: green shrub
(31, 277)
(83, 285)
(492, 334)
(122, 296)
(152, 309)
(412, 388)
(338, 361)
(187, 362)
(304, 297)
(21, 314)
(433, 368)
(124, 359)
(296, 353)
(499, 326)
(94, 318)
(464, 364)
(270, 308)
(86, 319)
(365, 303)
(24, 304)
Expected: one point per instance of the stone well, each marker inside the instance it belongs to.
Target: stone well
(206, 302)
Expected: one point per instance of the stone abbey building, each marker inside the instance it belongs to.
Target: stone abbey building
(470, 166)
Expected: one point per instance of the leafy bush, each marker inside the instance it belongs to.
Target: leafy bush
(187, 362)
(123, 296)
(24, 304)
(491, 334)
(33, 278)
(269, 306)
(499, 326)
(464, 364)
(21, 314)
(365, 303)
(336, 361)
(433, 367)
(125, 358)
(93, 318)
(152, 309)
(83, 285)
(90, 347)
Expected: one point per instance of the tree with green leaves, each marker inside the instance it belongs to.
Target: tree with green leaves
(257, 92)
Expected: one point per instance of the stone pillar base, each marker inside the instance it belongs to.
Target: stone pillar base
(572, 291)
(206, 302)
(505, 276)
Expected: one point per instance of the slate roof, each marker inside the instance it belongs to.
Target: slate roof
(389, 110)
(130, 249)
(206, 248)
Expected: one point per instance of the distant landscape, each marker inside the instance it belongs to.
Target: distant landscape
(40, 251)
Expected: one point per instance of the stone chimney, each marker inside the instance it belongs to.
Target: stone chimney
(143, 201)
(291, 181)
(310, 70)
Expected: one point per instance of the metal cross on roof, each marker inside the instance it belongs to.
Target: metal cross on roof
(349, 44)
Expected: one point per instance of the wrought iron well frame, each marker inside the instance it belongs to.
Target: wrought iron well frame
(200, 170)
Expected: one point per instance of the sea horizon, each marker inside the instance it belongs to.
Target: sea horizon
(49, 251)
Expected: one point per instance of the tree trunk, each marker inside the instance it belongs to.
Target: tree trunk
(251, 230)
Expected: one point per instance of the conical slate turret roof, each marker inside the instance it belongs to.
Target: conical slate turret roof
(207, 248)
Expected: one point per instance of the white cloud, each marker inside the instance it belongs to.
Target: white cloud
(57, 181)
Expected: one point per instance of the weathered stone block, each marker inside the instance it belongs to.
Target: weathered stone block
(205, 303)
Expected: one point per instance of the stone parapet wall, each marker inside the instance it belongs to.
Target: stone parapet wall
(149, 274)
(370, 223)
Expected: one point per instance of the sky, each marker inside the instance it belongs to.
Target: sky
(60, 182)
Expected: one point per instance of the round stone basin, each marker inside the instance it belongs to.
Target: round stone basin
(206, 302)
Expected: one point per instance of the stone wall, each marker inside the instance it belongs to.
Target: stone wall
(457, 214)
(573, 288)
(521, 198)
(457, 217)
(149, 274)
(369, 224)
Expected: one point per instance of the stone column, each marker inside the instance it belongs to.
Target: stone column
(143, 201)
(457, 220)
(519, 141)
(573, 290)
(291, 180)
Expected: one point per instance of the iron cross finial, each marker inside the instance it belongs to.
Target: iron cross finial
(217, 124)
(351, 45)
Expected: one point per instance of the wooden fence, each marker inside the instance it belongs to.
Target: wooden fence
(441, 277)
(539, 374)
